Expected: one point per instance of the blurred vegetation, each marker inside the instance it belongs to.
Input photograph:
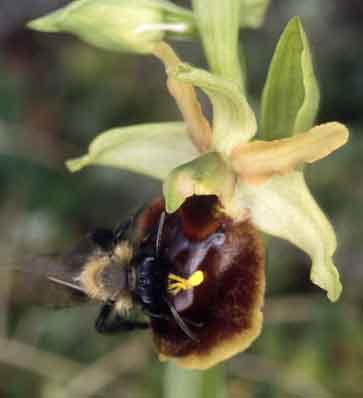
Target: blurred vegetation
(56, 94)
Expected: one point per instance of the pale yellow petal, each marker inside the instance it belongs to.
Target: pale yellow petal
(186, 98)
(258, 161)
(152, 149)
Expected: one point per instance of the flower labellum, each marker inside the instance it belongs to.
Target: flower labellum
(216, 282)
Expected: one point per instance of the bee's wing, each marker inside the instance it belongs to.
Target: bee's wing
(51, 280)
(21, 288)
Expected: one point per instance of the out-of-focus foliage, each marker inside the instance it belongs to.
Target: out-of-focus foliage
(55, 95)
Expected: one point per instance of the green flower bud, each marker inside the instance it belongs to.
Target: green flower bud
(119, 25)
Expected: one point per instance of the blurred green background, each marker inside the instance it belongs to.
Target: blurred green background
(56, 94)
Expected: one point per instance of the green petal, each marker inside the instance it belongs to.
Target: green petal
(284, 207)
(233, 119)
(206, 175)
(253, 13)
(151, 149)
(119, 25)
(290, 98)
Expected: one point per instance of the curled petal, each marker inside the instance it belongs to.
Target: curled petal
(198, 126)
(205, 175)
(258, 161)
(152, 149)
(234, 122)
(284, 207)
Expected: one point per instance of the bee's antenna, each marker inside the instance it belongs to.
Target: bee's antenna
(179, 321)
(159, 234)
(65, 283)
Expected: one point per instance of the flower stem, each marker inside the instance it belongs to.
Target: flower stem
(181, 383)
(218, 24)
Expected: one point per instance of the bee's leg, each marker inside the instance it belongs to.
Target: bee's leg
(180, 321)
(122, 228)
(103, 237)
(168, 317)
(108, 321)
(192, 323)
(156, 315)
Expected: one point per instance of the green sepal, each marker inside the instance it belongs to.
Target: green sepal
(150, 149)
(119, 25)
(291, 96)
(284, 207)
(234, 122)
(253, 13)
(205, 175)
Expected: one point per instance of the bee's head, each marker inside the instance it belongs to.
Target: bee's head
(105, 275)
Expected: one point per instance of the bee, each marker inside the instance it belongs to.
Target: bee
(197, 276)
(124, 273)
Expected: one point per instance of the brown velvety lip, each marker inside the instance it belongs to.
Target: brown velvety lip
(228, 303)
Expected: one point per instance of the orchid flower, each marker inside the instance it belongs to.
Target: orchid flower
(258, 181)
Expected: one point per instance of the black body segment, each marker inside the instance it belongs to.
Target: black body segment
(151, 284)
(110, 322)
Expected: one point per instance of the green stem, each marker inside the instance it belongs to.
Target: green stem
(181, 383)
(180, 16)
(218, 24)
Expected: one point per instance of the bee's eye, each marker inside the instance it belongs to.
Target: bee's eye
(148, 263)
